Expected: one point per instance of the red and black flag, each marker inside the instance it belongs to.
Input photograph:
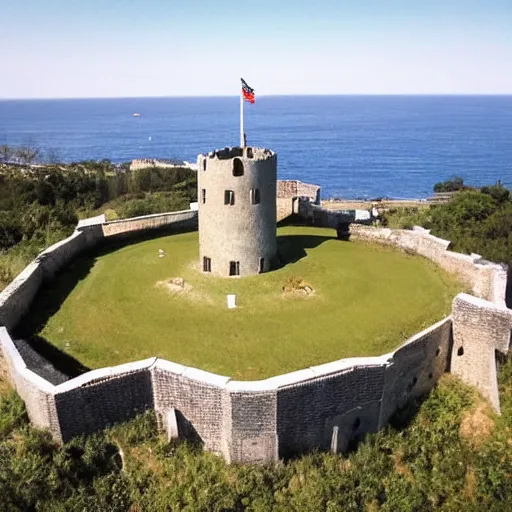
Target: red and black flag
(248, 92)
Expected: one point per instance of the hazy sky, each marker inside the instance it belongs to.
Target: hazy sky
(100, 48)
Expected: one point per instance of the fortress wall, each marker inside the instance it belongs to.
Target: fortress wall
(51, 260)
(480, 328)
(287, 189)
(415, 367)
(197, 396)
(16, 298)
(35, 391)
(324, 406)
(288, 192)
(185, 220)
(486, 280)
(284, 208)
(252, 423)
(308, 190)
(344, 394)
(101, 398)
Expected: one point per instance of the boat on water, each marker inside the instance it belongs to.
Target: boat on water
(136, 114)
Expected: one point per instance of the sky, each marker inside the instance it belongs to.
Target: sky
(129, 48)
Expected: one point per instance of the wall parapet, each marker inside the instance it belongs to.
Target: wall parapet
(246, 421)
(180, 220)
(487, 280)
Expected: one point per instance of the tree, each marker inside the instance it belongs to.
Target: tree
(5, 153)
(451, 185)
(27, 153)
(498, 192)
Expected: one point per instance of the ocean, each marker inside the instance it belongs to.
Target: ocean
(353, 146)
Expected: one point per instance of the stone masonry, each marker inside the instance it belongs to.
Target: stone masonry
(237, 211)
(325, 406)
(480, 329)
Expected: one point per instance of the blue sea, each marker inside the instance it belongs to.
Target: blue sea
(353, 146)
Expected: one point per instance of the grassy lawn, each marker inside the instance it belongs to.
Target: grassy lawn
(109, 309)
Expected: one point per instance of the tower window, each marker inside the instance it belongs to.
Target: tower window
(255, 196)
(238, 167)
(229, 197)
(207, 264)
(250, 153)
(203, 195)
(262, 265)
(234, 268)
(204, 164)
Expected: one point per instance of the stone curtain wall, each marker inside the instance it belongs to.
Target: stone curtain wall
(185, 220)
(487, 280)
(36, 392)
(325, 406)
(346, 395)
(293, 188)
(100, 398)
(197, 395)
(288, 194)
(244, 421)
(16, 298)
(415, 367)
(481, 323)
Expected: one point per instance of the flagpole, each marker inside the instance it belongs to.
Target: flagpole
(242, 141)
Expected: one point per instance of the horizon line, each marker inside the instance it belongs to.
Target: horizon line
(198, 96)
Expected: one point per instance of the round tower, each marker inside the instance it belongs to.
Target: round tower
(237, 211)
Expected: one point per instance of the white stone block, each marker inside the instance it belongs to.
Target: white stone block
(231, 301)
(172, 425)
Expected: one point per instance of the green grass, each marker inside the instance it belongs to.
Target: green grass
(367, 299)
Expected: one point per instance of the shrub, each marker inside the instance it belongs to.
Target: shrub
(12, 414)
(452, 185)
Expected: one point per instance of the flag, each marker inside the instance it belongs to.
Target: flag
(248, 92)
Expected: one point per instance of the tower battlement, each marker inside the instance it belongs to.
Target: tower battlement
(227, 153)
(237, 210)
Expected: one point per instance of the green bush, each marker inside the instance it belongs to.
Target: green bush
(473, 220)
(41, 206)
(426, 466)
(452, 185)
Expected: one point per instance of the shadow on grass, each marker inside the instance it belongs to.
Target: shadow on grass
(292, 220)
(46, 303)
(48, 361)
(292, 248)
(51, 296)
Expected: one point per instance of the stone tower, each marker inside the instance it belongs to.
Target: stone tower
(237, 211)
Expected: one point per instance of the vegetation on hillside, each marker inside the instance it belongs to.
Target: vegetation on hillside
(455, 454)
(40, 205)
(474, 220)
(452, 185)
